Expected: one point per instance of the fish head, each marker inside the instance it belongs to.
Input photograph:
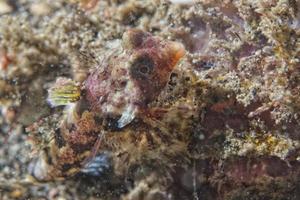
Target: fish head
(151, 62)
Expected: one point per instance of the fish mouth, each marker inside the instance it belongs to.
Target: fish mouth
(176, 51)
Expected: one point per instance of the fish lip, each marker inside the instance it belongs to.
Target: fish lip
(177, 49)
(175, 52)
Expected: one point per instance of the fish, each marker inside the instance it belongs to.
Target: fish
(135, 78)
(116, 92)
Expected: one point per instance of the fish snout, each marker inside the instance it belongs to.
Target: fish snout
(175, 51)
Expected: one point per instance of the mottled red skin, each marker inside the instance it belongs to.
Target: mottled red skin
(124, 84)
(216, 179)
(133, 78)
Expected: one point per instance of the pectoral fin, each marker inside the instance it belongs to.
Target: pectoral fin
(63, 92)
(97, 166)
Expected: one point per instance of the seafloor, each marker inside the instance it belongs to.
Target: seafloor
(231, 127)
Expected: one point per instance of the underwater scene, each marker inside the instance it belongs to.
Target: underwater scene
(149, 99)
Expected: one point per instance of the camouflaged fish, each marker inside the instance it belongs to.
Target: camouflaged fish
(114, 94)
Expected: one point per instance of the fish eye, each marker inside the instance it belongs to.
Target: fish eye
(142, 67)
